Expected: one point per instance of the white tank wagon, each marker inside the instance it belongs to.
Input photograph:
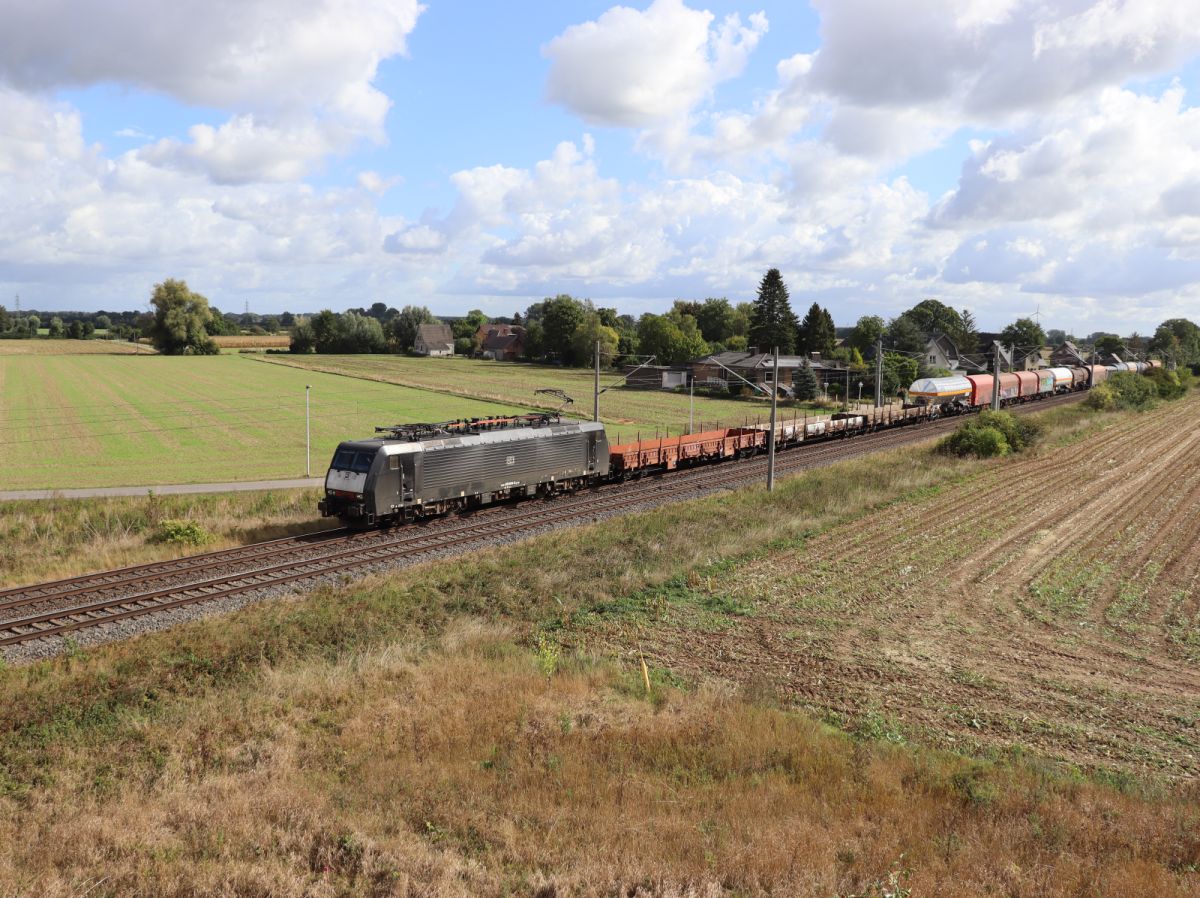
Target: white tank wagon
(947, 393)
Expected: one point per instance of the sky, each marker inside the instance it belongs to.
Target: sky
(1010, 157)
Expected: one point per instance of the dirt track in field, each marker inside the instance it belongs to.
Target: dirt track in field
(1049, 602)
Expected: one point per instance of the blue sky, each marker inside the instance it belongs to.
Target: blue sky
(996, 154)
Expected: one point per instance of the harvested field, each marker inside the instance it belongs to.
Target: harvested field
(250, 341)
(1047, 603)
(72, 347)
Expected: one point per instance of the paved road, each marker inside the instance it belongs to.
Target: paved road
(165, 489)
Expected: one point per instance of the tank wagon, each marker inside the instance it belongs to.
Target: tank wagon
(958, 394)
(414, 471)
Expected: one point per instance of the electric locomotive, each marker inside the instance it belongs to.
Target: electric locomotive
(411, 471)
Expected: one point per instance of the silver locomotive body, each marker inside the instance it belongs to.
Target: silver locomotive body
(396, 478)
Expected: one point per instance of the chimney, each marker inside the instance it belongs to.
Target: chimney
(815, 356)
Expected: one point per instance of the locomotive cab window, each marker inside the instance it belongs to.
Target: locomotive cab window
(349, 460)
(394, 462)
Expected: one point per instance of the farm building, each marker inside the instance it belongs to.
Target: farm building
(434, 339)
(725, 368)
(502, 342)
(941, 352)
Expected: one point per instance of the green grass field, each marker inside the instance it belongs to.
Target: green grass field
(628, 409)
(98, 420)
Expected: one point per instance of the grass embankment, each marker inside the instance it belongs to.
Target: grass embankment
(82, 421)
(481, 727)
(48, 539)
(630, 410)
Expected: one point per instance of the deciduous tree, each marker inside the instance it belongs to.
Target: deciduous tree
(560, 318)
(1177, 340)
(587, 333)
(180, 317)
(1024, 333)
(867, 331)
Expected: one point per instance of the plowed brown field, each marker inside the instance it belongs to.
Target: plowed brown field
(1048, 602)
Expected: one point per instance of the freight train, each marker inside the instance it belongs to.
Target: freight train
(958, 394)
(413, 471)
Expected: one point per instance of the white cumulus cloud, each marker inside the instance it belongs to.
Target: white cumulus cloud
(635, 68)
(297, 77)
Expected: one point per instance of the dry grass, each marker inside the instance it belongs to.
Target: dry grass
(470, 770)
(42, 540)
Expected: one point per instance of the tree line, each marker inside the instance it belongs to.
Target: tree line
(564, 330)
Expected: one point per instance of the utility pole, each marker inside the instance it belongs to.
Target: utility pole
(596, 388)
(771, 438)
(691, 399)
(996, 377)
(879, 372)
(846, 404)
(307, 434)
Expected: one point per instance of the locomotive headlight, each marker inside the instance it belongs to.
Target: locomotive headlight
(360, 495)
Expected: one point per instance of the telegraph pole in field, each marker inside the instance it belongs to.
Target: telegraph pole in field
(307, 434)
(771, 438)
(996, 377)
(879, 372)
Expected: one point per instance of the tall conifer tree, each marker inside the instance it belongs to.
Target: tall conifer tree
(816, 332)
(772, 322)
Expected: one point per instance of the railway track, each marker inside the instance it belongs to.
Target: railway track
(60, 607)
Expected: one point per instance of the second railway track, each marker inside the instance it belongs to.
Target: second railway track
(60, 607)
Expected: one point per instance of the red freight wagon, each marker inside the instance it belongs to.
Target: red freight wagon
(1029, 383)
(981, 388)
(666, 453)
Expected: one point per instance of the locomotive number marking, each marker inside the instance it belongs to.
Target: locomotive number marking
(510, 460)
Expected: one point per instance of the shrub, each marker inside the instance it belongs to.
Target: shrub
(1102, 398)
(992, 434)
(184, 533)
(1166, 382)
(975, 438)
(1133, 390)
(1006, 423)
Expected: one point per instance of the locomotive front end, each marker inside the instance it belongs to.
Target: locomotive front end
(346, 483)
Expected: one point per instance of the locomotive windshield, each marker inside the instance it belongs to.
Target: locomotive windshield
(351, 460)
